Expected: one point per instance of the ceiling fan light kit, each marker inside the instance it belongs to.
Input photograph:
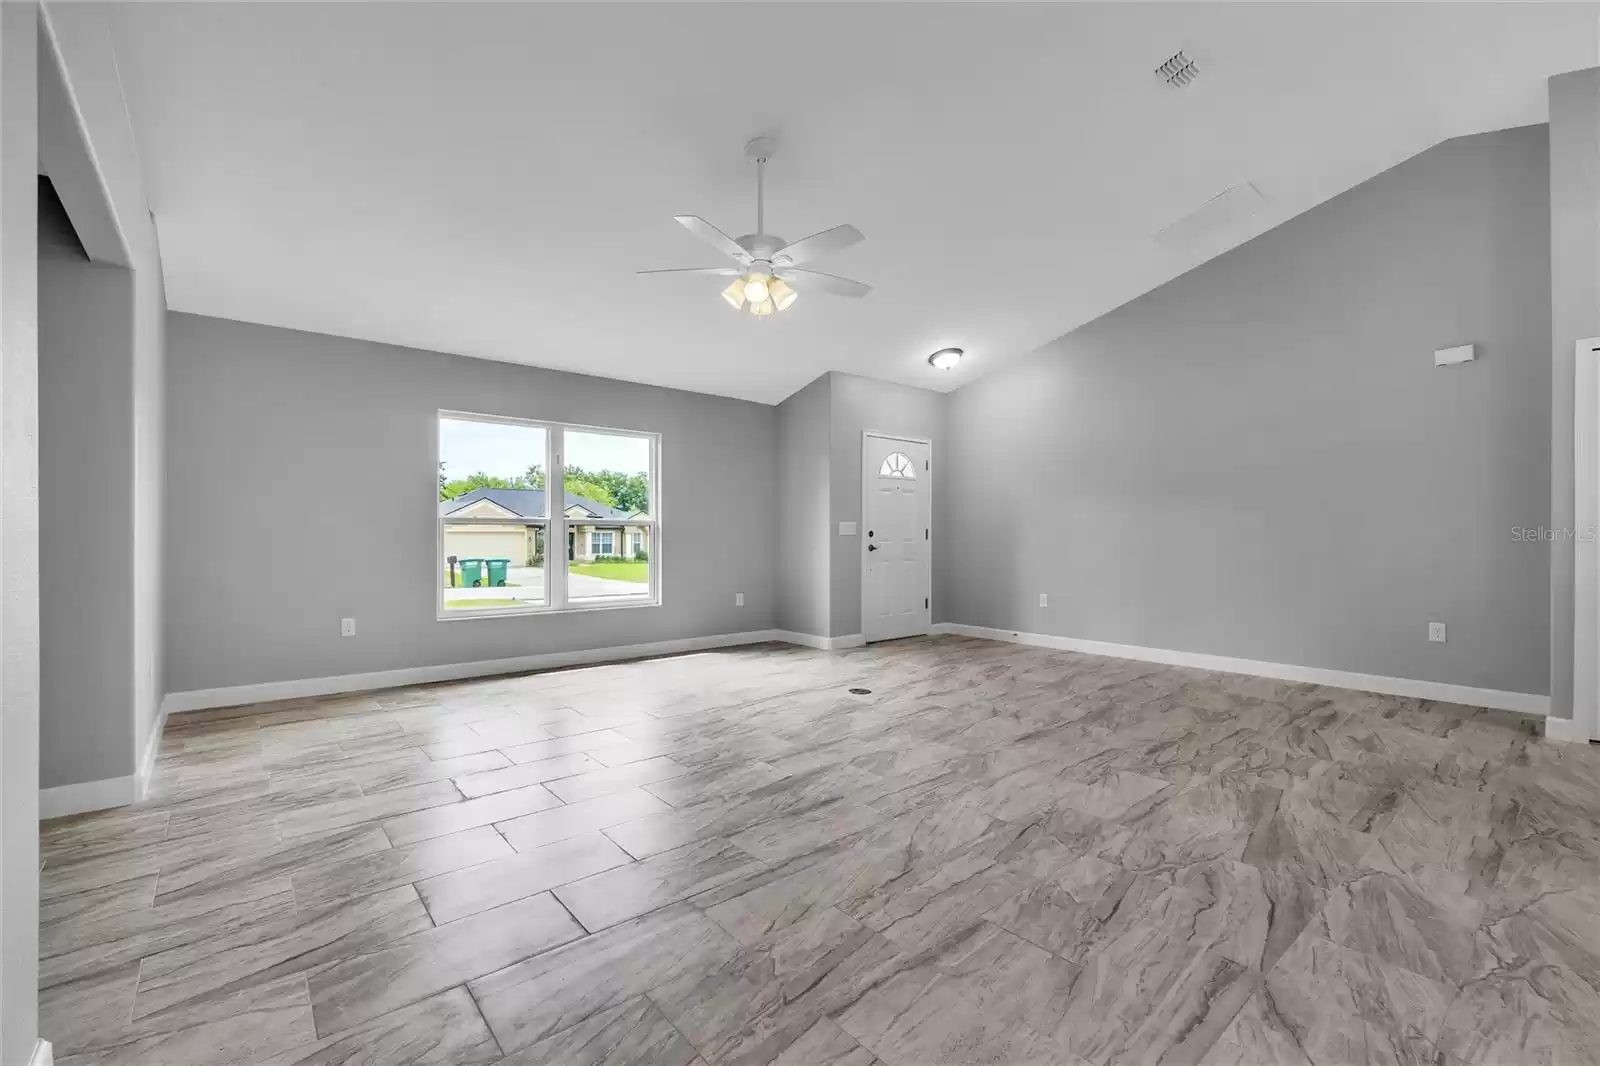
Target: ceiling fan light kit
(760, 294)
(766, 278)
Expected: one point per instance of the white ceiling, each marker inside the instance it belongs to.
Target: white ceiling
(485, 179)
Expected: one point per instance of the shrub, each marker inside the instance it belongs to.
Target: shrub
(641, 556)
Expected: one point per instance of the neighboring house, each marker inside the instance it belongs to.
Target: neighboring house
(594, 529)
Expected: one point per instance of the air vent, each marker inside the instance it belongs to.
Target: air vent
(1178, 71)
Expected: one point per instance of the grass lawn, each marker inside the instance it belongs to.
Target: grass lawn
(616, 570)
(456, 605)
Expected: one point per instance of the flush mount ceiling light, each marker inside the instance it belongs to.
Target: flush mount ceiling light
(766, 278)
(946, 358)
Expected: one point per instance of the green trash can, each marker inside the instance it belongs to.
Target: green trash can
(471, 572)
(497, 571)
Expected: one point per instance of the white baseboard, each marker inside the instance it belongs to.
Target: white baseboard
(42, 1054)
(87, 796)
(1565, 729)
(811, 640)
(202, 699)
(1524, 702)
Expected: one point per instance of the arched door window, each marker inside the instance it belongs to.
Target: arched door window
(898, 464)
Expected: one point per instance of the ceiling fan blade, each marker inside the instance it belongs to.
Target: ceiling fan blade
(713, 236)
(807, 280)
(727, 272)
(817, 245)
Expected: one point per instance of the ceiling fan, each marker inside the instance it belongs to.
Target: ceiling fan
(767, 277)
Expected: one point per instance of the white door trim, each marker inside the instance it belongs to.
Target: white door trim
(861, 463)
(1586, 552)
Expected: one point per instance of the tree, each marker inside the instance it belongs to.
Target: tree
(630, 492)
(626, 492)
(579, 483)
(449, 490)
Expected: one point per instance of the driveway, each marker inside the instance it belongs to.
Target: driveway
(530, 582)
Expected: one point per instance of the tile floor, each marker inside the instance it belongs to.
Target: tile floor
(1001, 855)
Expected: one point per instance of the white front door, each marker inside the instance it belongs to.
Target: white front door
(897, 521)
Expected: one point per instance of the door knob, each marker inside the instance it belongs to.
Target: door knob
(872, 547)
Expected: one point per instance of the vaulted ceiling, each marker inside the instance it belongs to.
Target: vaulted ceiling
(486, 178)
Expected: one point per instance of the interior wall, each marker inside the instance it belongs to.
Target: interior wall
(301, 490)
(97, 163)
(19, 533)
(81, 38)
(1574, 316)
(858, 405)
(1259, 459)
(86, 340)
(804, 510)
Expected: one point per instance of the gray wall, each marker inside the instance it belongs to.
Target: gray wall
(1574, 315)
(19, 534)
(858, 404)
(1259, 459)
(87, 147)
(86, 715)
(287, 449)
(804, 535)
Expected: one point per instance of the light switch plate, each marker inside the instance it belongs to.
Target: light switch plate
(347, 627)
(847, 529)
(1436, 632)
(738, 599)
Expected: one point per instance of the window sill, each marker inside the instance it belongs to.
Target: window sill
(525, 612)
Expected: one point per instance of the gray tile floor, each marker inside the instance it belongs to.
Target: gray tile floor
(1000, 855)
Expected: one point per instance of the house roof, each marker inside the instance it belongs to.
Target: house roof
(527, 503)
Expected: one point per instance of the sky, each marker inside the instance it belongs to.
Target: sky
(504, 450)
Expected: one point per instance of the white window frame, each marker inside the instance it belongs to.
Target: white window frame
(555, 523)
(594, 542)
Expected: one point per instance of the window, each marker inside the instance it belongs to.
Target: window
(897, 464)
(496, 518)
(610, 475)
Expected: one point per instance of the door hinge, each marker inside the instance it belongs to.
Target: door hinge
(924, 534)
(924, 602)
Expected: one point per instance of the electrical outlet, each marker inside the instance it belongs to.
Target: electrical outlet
(347, 627)
(1044, 599)
(1436, 632)
(738, 599)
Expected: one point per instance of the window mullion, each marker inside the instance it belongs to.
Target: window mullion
(555, 508)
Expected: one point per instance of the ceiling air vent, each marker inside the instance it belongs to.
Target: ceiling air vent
(1178, 71)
